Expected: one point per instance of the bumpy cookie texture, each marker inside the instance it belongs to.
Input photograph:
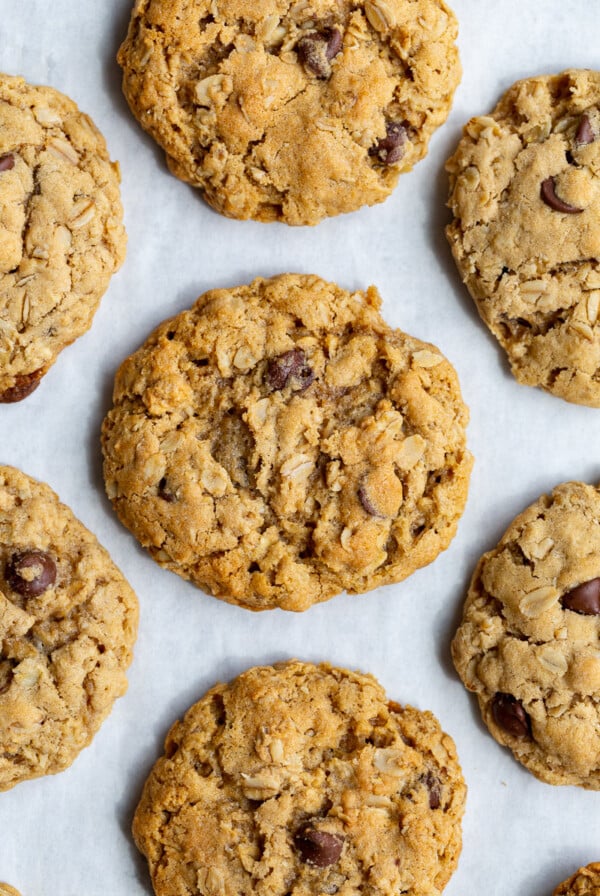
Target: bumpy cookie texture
(6, 890)
(291, 111)
(528, 642)
(585, 882)
(279, 443)
(68, 622)
(525, 194)
(300, 779)
(61, 232)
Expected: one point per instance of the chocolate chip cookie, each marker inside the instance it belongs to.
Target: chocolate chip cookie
(585, 882)
(291, 112)
(68, 622)
(279, 443)
(528, 641)
(525, 195)
(61, 231)
(302, 779)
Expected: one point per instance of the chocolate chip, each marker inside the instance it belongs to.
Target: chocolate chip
(7, 161)
(30, 572)
(318, 847)
(24, 385)
(290, 366)
(509, 714)
(390, 148)
(548, 195)
(164, 491)
(585, 133)
(584, 599)
(434, 786)
(317, 49)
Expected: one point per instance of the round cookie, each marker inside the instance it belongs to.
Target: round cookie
(585, 882)
(528, 642)
(6, 890)
(61, 232)
(68, 622)
(291, 112)
(279, 443)
(525, 195)
(302, 779)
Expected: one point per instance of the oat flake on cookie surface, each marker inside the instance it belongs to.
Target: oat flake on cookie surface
(61, 232)
(291, 111)
(279, 443)
(300, 779)
(525, 195)
(68, 622)
(528, 644)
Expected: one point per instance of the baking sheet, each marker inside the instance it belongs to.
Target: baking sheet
(69, 834)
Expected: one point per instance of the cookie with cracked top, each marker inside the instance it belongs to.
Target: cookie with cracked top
(306, 779)
(585, 882)
(527, 645)
(291, 112)
(524, 192)
(68, 621)
(279, 443)
(61, 231)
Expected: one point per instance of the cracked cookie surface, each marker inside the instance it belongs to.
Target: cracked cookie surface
(528, 642)
(585, 882)
(279, 443)
(68, 622)
(300, 779)
(291, 111)
(61, 232)
(525, 195)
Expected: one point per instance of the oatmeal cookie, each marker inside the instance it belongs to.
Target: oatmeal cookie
(61, 232)
(525, 195)
(279, 443)
(528, 642)
(585, 882)
(291, 111)
(68, 622)
(301, 779)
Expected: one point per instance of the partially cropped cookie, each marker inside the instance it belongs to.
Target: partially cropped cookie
(525, 195)
(6, 890)
(68, 622)
(585, 882)
(279, 443)
(61, 231)
(297, 778)
(528, 642)
(291, 112)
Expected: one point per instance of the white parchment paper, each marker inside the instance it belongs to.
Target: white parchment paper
(69, 834)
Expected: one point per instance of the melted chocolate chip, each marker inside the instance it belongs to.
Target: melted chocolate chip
(24, 386)
(585, 133)
(317, 49)
(30, 573)
(318, 847)
(7, 161)
(509, 715)
(434, 786)
(584, 599)
(548, 195)
(290, 366)
(164, 491)
(390, 148)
